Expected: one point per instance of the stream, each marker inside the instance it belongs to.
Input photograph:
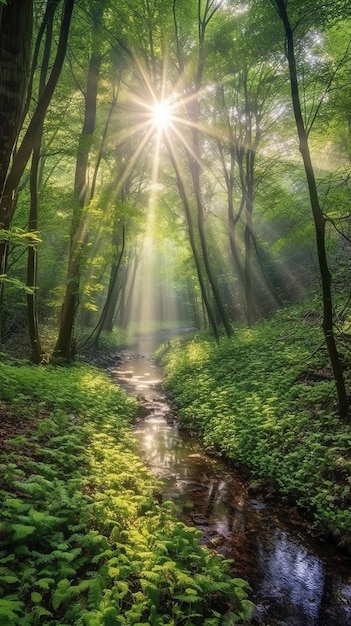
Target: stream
(296, 580)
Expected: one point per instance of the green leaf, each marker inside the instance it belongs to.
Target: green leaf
(9, 579)
(36, 597)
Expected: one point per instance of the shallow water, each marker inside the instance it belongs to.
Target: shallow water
(295, 580)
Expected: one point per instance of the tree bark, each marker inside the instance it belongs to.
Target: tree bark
(15, 41)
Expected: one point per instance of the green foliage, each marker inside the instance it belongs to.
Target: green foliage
(82, 540)
(267, 400)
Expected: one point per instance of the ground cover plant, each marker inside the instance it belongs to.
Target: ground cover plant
(83, 541)
(266, 400)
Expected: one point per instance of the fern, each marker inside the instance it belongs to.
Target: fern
(10, 609)
(110, 616)
(62, 593)
(95, 591)
(15, 503)
(7, 559)
(22, 531)
(37, 612)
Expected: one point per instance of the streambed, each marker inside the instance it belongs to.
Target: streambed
(296, 580)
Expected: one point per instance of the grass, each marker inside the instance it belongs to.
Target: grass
(83, 541)
(266, 400)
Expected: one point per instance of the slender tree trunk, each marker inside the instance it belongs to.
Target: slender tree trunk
(32, 312)
(205, 14)
(228, 173)
(232, 222)
(126, 298)
(194, 163)
(251, 310)
(318, 217)
(65, 345)
(189, 219)
(33, 325)
(112, 291)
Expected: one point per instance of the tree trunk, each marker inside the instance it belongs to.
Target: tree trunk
(251, 310)
(33, 326)
(194, 163)
(15, 41)
(125, 308)
(112, 293)
(318, 217)
(189, 219)
(65, 345)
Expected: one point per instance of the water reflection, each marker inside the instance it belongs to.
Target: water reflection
(298, 575)
(294, 583)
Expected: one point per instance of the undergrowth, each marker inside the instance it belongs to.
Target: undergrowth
(82, 540)
(266, 400)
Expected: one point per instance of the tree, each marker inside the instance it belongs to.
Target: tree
(318, 216)
(32, 284)
(65, 346)
(192, 87)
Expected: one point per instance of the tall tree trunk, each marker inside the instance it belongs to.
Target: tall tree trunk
(15, 41)
(22, 155)
(318, 217)
(184, 197)
(65, 345)
(228, 173)
(194, 163)
(233, 220)
(251, 309)
(205, 15)
(33, 326)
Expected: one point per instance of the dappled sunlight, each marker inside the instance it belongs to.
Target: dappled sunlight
(198, 353)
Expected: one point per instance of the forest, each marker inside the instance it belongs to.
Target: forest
(168, 167)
